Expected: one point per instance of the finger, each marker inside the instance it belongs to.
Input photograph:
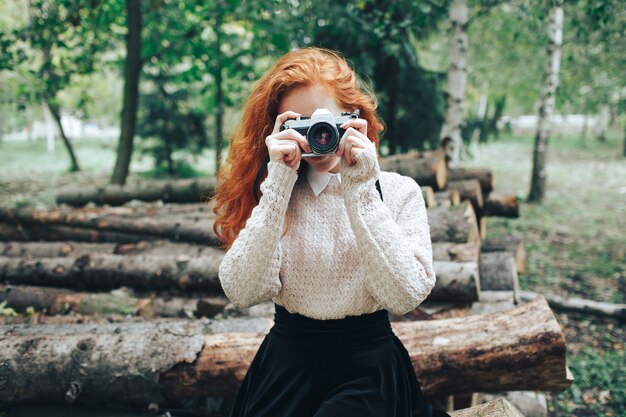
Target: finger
(348, 150)
(290, 153)
(292, 134)
(357, 124)
(282, 118)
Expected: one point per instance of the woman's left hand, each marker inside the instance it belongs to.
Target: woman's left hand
(354, 140)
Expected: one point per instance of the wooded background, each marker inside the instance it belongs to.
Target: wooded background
(454, 79)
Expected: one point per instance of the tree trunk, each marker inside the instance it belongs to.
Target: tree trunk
(456, 281)
(483, 175)
(53, 301)
(455, 252)
(219, 93)
(447, 198)
(499, 407)
(428, 168)
(503, 205)
(450, 138)
(56, 114)
(168, 191)
(193, 230)
(169, 361)
(498, 272)
(580, 305)
(469, 190)
(131, 92)
(455, 224)
(507, 243)
(547, 100)
(105, 272)
(392, 99)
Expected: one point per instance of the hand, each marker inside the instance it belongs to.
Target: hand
(354, 140)
(285, 146)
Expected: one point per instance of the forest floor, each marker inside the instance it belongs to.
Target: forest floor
(576, 246)
(575, 238)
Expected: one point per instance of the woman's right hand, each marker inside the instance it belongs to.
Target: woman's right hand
(285, 146)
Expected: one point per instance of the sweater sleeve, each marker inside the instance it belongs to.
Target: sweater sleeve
(249, 271)
(396, 255)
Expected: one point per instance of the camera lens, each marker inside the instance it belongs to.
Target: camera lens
(322, 138)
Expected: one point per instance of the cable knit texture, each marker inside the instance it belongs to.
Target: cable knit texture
(346, 252)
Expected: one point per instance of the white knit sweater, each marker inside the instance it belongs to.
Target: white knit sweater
(345, 252)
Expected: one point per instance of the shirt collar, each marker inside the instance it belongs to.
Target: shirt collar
(319, 180)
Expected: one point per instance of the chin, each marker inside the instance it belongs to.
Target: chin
(324, 163)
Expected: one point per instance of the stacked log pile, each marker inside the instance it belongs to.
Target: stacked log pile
(109, 280)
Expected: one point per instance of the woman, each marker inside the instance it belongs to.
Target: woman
(334, 242)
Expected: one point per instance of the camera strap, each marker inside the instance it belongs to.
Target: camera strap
(259, 176)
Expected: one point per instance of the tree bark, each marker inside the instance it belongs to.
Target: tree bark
(498, 272)
(580, 305)
(131, 93)
(448, 198)
(547, 100)
(56, 114)
(483, 175)
(105, 272)
(195, 230)
(219, 93)
(507, 243)
(469, 190)
(429, 196)
(53, 301)
(166, 361)
(425, 168)
(456, 282)
(456, 252)
(450, 138)
(503, 205)
(455, 224)
(169, 191)
(499, 407)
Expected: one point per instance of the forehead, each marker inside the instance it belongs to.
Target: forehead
(306, 99)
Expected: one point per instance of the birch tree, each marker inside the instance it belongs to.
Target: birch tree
(546, 102)
(450, 137)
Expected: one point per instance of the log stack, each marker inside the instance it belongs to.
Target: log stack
(79, 272)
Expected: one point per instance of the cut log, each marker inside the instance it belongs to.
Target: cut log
(503, 205)
(507, 243)
(484, 175)
(196, 231)
(107, 272)
(455, 224)
(448, 198)
(54, 301)
(498, 272)
(168, 361)
(495, 408)
(429, 196)
(469, 190)
(456, 252)
(580, 305)
(456, 281)
(168, 191)
(428, 168)
(76, 249)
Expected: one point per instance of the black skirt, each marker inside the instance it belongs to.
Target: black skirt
(355, 366)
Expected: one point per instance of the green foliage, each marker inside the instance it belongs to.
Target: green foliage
(170, 120)
(378, 38)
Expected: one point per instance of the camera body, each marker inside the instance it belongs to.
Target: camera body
(321, 130)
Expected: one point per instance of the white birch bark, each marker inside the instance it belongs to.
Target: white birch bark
(547, 99)
(450, 137)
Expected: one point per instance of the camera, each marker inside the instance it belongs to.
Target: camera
(321, 130)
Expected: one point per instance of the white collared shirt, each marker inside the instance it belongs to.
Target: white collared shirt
(319, 180)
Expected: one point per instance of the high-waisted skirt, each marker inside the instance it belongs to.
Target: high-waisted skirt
(355, 366)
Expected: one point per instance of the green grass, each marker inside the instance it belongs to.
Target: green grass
(576, 246)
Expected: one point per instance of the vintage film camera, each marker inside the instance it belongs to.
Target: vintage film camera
(321, 130)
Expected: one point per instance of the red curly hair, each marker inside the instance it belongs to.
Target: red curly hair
(234, 197)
